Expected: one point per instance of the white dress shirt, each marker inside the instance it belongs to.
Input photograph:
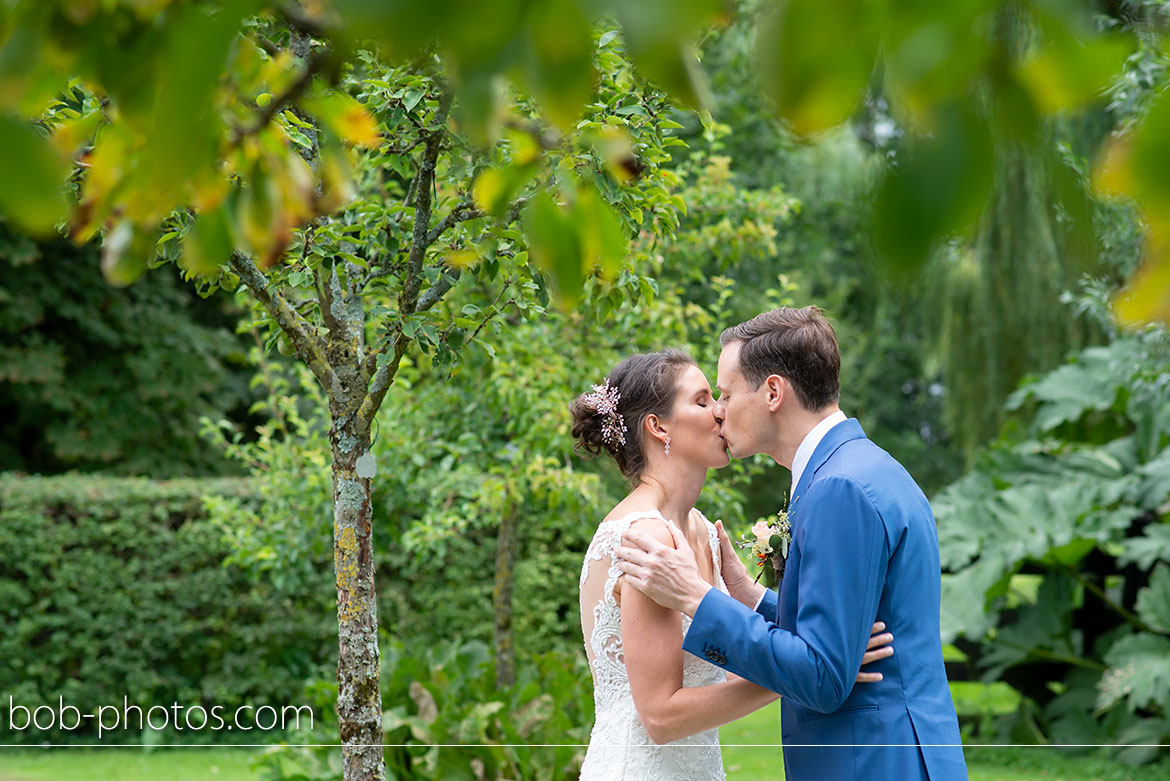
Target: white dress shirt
(808, 446)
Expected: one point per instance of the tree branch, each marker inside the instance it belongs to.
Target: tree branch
(265, 114)
(463, 212)
(408, 299)
(435, 292)
(265, 43)
(380, 383)
(492, 310)
(300, 333)
(326, 296)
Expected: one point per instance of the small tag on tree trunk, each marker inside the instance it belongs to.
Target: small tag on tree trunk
(366, 466)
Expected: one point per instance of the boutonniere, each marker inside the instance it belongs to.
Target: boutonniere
(769, 543)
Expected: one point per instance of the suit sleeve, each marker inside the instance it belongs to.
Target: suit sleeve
(766, 607)
(843, 561)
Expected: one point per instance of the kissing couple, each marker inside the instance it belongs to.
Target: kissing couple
(681, 639)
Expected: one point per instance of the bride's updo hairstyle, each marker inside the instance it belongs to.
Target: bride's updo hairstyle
(643, 384)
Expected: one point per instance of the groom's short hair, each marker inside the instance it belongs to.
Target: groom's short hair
(796, 344)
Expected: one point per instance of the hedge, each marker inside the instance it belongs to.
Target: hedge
(115, 588)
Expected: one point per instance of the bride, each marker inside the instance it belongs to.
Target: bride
(657, 709)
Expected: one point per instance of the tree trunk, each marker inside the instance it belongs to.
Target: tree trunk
(359, 697)
(502, 599)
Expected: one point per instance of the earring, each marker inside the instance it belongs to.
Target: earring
(668, 444)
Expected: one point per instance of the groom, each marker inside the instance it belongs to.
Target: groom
(864, 549)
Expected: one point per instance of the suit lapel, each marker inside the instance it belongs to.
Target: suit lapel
(837, 436)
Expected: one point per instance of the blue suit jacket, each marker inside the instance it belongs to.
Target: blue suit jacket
(864, 548)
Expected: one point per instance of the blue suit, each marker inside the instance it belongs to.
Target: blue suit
(864, 548)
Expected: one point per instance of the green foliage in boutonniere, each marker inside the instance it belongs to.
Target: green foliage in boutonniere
(769, 544)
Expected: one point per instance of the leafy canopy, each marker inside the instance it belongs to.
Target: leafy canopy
(184, 96)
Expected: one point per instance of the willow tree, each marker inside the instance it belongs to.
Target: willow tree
(999, 297)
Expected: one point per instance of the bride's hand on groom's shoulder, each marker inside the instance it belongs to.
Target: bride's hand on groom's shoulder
(739, 583)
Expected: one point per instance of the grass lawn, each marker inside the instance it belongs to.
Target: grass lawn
(1031, 763)
(747, 763)
(127, 764)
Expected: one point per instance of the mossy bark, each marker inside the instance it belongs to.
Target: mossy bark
(359, 698)
(502, 599)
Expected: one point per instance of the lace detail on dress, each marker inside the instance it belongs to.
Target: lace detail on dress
(619, 746)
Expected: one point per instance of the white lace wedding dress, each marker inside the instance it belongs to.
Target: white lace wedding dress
(619, 747)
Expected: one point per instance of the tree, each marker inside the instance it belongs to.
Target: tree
(93, 376)
(236, 117)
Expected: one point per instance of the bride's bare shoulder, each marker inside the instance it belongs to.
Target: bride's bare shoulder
(627, 509)
(655, 527)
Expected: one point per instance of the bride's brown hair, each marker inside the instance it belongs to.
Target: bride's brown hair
(647, 384)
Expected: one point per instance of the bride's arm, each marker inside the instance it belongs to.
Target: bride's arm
(652, 640)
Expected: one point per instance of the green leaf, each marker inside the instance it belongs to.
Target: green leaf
(659, 37)
(126, 252)
(601, 229)
(1139, 673)
(964, 608)
(345, 117)
(1070, 553)
(412, 99)
(560, 62)
(293, 119)
(555, 246)
(494, 188)
(1146, 297)
(208, 243)
(605, 38)
(1041, 627)
(261, 227)
(175, 112)
(931, 52)
(1069, 392)
(404, 27)
(1153, 601)
(1147, 549)
(477, 108)
(1143, 740)
(1150, 150)
(938, 190)
(33, 193)
(816, 60)
(1067, 70)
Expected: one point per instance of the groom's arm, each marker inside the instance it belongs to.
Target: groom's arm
(766, 607)
(842, 571)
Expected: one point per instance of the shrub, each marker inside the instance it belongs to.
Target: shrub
(445, 694)
(114, 587)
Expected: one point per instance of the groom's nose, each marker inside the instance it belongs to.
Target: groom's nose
(718, 412)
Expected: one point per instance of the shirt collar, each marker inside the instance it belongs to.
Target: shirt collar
(809, 444)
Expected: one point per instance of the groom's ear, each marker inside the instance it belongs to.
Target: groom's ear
(776, 390)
